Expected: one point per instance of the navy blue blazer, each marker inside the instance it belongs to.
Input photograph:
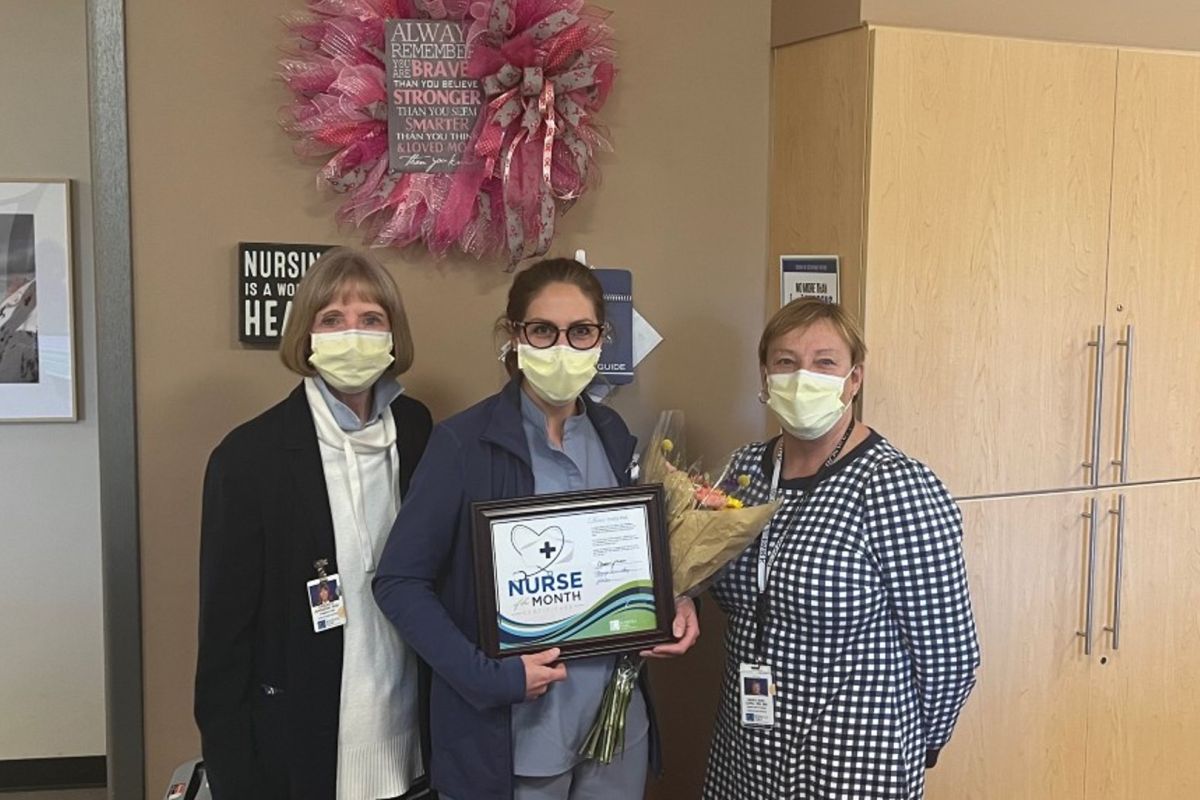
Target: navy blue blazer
(425, 584)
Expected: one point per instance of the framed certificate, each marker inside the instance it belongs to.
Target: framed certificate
(587, 572)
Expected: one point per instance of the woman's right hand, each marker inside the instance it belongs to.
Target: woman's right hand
(541, 671)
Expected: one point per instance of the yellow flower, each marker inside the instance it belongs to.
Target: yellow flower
(743, 480)
(667, 445)
(733, 502)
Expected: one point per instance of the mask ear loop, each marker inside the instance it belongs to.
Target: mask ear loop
(507, 347)
(762, 391)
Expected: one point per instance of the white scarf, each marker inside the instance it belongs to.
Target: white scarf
(378, 437)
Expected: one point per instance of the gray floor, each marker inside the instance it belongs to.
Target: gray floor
(73, 794)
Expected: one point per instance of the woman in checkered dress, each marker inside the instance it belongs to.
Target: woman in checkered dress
(854, 597)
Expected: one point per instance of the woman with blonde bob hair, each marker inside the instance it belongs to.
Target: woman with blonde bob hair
(299, 697)
(852, 605)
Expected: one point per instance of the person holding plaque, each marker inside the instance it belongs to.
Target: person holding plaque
(851, 609)
(303, 689)
(513, 727)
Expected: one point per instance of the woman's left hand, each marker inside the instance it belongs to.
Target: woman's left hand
(686, 629)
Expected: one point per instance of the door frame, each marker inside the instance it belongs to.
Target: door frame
(116, 410)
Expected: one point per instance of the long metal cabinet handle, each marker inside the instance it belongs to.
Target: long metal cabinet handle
(1123, 461)
(1086, 633)
(1115, 629)
(1093, 463)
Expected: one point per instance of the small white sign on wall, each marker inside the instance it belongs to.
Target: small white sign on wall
(808, 276)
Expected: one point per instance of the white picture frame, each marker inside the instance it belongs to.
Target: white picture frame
(37, 336)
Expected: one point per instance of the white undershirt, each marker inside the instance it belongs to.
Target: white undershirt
(379, 749)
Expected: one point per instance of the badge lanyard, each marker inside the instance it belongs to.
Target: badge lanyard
(767, 554)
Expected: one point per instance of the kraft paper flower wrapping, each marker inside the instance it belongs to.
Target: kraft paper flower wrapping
(708, 526)
(707, 523)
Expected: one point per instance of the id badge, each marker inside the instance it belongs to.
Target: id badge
(756, 690)
(326, 603)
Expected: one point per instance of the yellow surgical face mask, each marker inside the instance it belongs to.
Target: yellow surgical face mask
(557, 374)
(351, 361)
(807, 404)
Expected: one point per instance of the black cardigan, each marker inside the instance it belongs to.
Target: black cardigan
(268, 689)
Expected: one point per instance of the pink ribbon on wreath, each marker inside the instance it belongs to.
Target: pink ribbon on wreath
(522, 101)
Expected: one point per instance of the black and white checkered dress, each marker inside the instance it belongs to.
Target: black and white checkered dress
(869, 632)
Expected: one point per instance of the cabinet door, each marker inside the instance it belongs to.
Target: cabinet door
(1022, 733)
(1154, 281)
(987, 234)
(1144, 732)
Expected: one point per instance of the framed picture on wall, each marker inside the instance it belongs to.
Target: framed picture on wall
(37, 350)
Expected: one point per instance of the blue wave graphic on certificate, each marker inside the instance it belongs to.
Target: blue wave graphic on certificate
(627, 609)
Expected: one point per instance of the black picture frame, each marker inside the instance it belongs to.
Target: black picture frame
(485, 515)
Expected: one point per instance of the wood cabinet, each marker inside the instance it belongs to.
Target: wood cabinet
(1154, 267)
(1027, 564)
(1144, 722)
(1019, 227)
(1048, 721)
(1004, 210)
(988, 197)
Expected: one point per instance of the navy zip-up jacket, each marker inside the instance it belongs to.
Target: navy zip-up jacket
(425, 584)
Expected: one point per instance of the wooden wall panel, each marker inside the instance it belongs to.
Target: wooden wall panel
(818, 156)
(986, 254)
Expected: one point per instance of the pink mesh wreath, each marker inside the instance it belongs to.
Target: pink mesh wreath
(545, 67)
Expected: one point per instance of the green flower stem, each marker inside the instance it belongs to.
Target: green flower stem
(607, 734)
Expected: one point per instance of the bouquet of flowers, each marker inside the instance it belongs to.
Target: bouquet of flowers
(708, 526)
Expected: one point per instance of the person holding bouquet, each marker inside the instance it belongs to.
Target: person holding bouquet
(852, 605)
(514, 727)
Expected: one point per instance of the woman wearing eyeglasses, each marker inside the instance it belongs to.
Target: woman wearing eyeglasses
(513, 727)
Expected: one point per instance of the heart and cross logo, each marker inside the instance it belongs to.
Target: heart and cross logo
(539, 550)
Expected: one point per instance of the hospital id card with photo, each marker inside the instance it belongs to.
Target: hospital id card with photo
(756, 692)
(326, 603)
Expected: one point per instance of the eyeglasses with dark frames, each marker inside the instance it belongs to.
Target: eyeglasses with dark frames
(541, 334)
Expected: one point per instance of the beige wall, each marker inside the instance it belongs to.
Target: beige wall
(51, 630)
(683, 203)
(1145, 23)
(1171, 24)
(796, 20)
